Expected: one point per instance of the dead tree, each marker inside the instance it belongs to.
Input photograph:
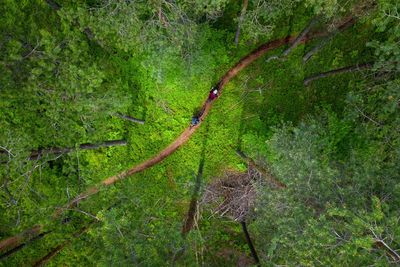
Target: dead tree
(54, 251)
(296, 41)
(242, 14)
(129, 118)
(37, 154)
(348, 69)
(348, 23)
(15, 243)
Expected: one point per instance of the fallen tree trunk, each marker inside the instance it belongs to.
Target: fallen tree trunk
(297, 41)
(53, 5)
(87, 31)
(15, 243)
(129, 118)
(326, 40)
(348, 69)
(391, 252)
(54, 251)
(36, 154)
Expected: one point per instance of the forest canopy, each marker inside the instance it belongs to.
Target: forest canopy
(115, 149)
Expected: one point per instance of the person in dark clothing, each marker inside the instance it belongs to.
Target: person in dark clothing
(195, 121)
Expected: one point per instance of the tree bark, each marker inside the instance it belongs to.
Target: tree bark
(348, 69)
(15, 243)
(249, 243)
(54, 251)
(242, 14)
(297, 41)
(326, 40)
(129, 118)
(36, 154)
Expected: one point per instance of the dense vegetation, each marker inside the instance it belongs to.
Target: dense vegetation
(72, 72)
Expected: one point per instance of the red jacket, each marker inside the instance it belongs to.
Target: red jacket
(212, 96)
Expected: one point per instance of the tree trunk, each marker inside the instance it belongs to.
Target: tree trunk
(129, 118)
(242, 14)
(357, 67)
(36, 154)
(297, 41)
(249, 243)
(17, 242)
(53, 252)
(326, 40)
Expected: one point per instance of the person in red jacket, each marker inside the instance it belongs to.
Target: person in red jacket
(213, 94)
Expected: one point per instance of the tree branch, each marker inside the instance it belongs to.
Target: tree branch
(348, 69)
